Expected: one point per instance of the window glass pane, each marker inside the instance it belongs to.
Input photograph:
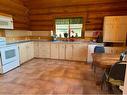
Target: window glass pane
(10, 53)
(76, 21)
(65, 26)
(76, 28)
(62, 21)
(78, 31)
(61, 29)
(61, 32)
(74, 25)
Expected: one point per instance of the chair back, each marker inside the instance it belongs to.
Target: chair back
(99, 49)
(117, 71)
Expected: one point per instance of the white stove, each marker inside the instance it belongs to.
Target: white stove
(9, 56)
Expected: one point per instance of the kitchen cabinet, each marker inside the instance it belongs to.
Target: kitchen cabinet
(44, 49)
(114, 50)
(54, 50)
(23, 52)
(36, 49)
(125, 83)
(115, 29)
(80, 52)
(6, 22)
(30, 50)
(62, 51)
(69, 51)
(26, 51)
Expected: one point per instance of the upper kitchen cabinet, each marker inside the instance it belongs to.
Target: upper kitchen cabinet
(115, 28)
(6, 22)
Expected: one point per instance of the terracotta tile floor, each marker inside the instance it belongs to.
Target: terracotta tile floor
(46, 76)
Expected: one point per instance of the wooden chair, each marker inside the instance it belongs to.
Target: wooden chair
(97, 49)
(114, 77)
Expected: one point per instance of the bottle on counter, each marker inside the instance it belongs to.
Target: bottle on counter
(76, 36)
(60, 35)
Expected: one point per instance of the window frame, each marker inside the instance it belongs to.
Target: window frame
(82, 33)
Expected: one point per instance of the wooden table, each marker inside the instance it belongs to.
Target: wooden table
(105, 60)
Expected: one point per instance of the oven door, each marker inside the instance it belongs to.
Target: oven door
(9, 54)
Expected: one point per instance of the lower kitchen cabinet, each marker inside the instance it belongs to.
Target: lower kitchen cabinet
(44, 49)
(80, 52)
(36, 49)
(23, 52)
(62, 51)
(69, 51)
(65, 51)
(30, 50)
(54, 50)
(26, 51)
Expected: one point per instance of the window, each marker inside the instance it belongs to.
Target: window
(72, 26)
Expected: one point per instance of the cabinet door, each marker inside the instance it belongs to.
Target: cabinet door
(36, 49)
(69, 51)
(54, 50)
(44, 49)
(80, 52)
(115, 29)
(61, 51)
(22, 52)
(30, 50)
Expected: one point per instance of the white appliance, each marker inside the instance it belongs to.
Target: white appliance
(91, 47)
(6, 22)
(9, 56)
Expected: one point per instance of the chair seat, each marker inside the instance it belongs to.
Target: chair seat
(116, 82)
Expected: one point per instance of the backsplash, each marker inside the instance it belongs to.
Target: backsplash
(17, 35)
(91, 35)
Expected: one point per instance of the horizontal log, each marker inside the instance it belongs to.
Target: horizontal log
(18, 1)
(103, 14)
(41, 17)
(94, 27)
(55, 3)
(53, 16)
(20, 26)
(13, 11)
(91, 8)
(50, 22)
(11, 4)
(22, 19)
(91, 15)
(41, 28)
